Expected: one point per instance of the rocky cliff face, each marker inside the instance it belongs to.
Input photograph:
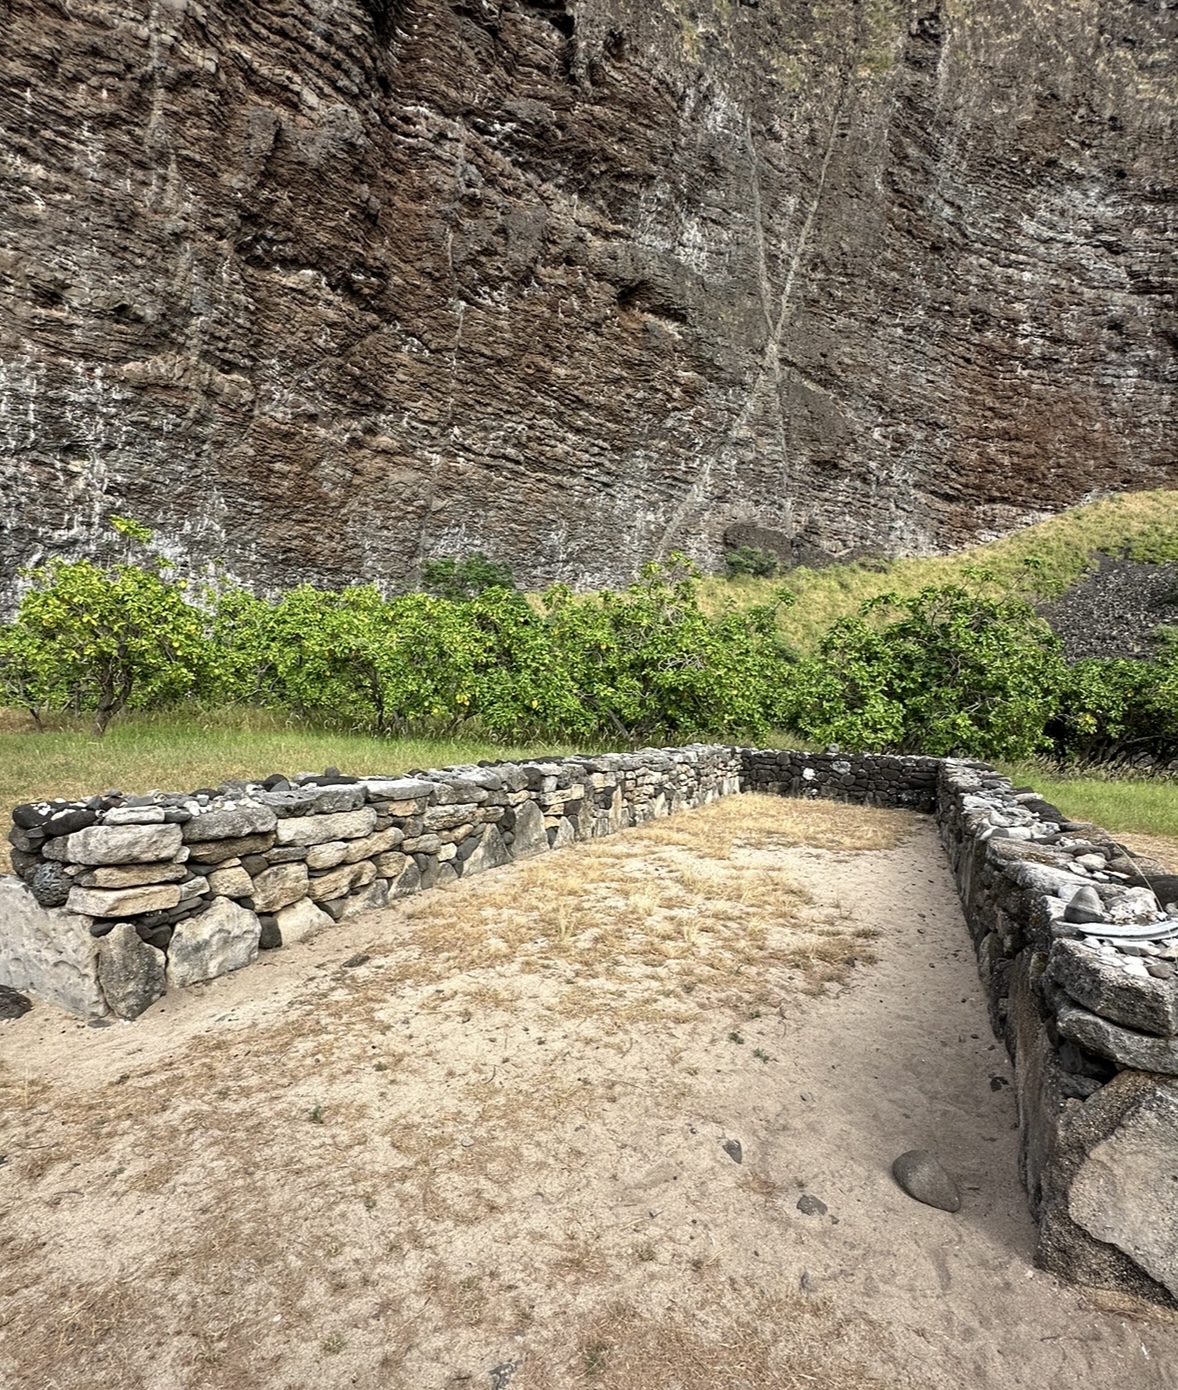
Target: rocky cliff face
(322, 287)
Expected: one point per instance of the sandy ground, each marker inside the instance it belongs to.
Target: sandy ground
(494, 1152)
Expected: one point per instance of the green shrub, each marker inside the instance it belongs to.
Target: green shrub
(946, 672)
(750, 560)
(455, 579)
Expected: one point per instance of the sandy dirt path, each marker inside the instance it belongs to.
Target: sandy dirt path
(501, 1150)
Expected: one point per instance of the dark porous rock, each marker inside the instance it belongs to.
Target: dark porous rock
(276, 782)
(67, 821)
(733, 1149)
(51, 884)
(255, 864)
(1078, 1087)
(13, 1004)
(809, 1205)
(159, 937)
(188, 909)
(27, 841)
(102, 927)
(271, 935)
(30, 814)
(922, 1177)
(335, 908)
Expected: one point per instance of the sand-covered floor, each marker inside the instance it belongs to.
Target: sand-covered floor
(502, 1149)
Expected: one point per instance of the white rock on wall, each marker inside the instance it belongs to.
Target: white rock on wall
(48, 952)
(115, 844)
(231, 883)
(530, 835)
(301, 919)
(317, 830)
(222, 938)
(341, 881)
(279, 886)
(123, 902)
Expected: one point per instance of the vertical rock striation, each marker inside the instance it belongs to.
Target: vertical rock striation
(319, 288)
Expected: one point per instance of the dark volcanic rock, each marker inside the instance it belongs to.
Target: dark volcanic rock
(320, 289)
(1115, 611)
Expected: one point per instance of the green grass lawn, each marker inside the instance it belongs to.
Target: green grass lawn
(1126, 805)
(172, 752)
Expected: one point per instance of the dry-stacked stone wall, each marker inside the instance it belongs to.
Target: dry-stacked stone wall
(1077, 944)
(118, 899)
(873, 779)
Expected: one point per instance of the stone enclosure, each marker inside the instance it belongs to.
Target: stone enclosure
(116, 900)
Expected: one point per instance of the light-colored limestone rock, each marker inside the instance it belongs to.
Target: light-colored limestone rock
(317, 830)
(327, 856)
(123, 902)
(131, 972)
(1125, 1193)
(222, 938)
(116, 844)
(300, 920)
(391, 864)
(530, 835)
(279, 886)
(342, 880)
(132, 876)
(372, 845)
(231, 883)
(48, 951)
(368, 899)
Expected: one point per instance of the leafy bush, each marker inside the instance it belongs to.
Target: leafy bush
(457, 579)
(946, 672)
(1119, 710)
(750, 560)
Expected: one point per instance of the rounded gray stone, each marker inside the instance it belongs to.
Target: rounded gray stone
(923, 1178)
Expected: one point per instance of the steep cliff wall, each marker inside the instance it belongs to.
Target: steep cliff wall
(321, 287)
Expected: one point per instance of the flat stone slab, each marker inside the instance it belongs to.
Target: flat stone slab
(317, 830)
(1100, 983)
(1125, 1191)
(116, 844)
(1142, 1051)
(123, 902)
(234, 824)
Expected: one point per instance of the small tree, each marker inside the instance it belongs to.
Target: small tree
(96, 638)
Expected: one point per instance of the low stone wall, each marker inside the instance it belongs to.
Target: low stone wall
(873, 779)
(118, 898)
(121, 898)
(1077, 946)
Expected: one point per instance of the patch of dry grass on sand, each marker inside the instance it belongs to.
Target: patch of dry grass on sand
(433, 1164)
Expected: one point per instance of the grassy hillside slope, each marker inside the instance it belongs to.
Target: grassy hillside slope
(1041, 561)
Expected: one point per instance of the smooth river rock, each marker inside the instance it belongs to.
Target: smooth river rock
(921, 1175)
